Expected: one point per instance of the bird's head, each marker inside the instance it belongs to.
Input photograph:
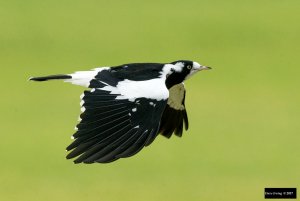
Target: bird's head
(182, 70)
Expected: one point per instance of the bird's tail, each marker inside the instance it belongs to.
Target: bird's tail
(82, 78)
(51, 77)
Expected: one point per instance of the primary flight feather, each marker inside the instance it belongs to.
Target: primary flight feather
(127, 107)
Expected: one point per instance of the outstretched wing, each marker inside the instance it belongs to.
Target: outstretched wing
(114, 125)
(175, 114)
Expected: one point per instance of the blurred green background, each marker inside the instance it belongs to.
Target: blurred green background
(244, 114)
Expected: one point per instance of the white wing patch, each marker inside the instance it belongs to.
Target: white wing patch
(129, 89)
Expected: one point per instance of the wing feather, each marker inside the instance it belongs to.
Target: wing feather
(113, 128)
(100, 150)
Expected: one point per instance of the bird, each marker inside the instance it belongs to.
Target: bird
(126, 107)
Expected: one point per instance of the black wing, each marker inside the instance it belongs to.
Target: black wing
(112, 128)
(175, 113)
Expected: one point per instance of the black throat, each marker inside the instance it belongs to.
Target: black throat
(174, 78)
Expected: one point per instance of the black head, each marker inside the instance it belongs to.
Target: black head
(182, 70)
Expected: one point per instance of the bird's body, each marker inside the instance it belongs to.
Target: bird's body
(127, 107)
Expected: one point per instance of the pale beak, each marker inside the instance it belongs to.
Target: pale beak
(205, 68)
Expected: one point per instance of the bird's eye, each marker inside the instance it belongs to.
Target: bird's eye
(189, 67)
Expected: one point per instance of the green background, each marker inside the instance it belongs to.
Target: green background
(244, 114)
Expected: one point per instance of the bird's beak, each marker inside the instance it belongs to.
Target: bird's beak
(205, 68)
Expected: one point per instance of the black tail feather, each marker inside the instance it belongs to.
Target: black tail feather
(51, 77)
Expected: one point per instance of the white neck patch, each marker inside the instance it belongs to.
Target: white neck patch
(170, 68)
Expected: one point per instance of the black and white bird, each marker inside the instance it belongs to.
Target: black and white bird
(126, 107)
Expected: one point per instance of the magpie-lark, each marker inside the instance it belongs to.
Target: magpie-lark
(126, 107)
